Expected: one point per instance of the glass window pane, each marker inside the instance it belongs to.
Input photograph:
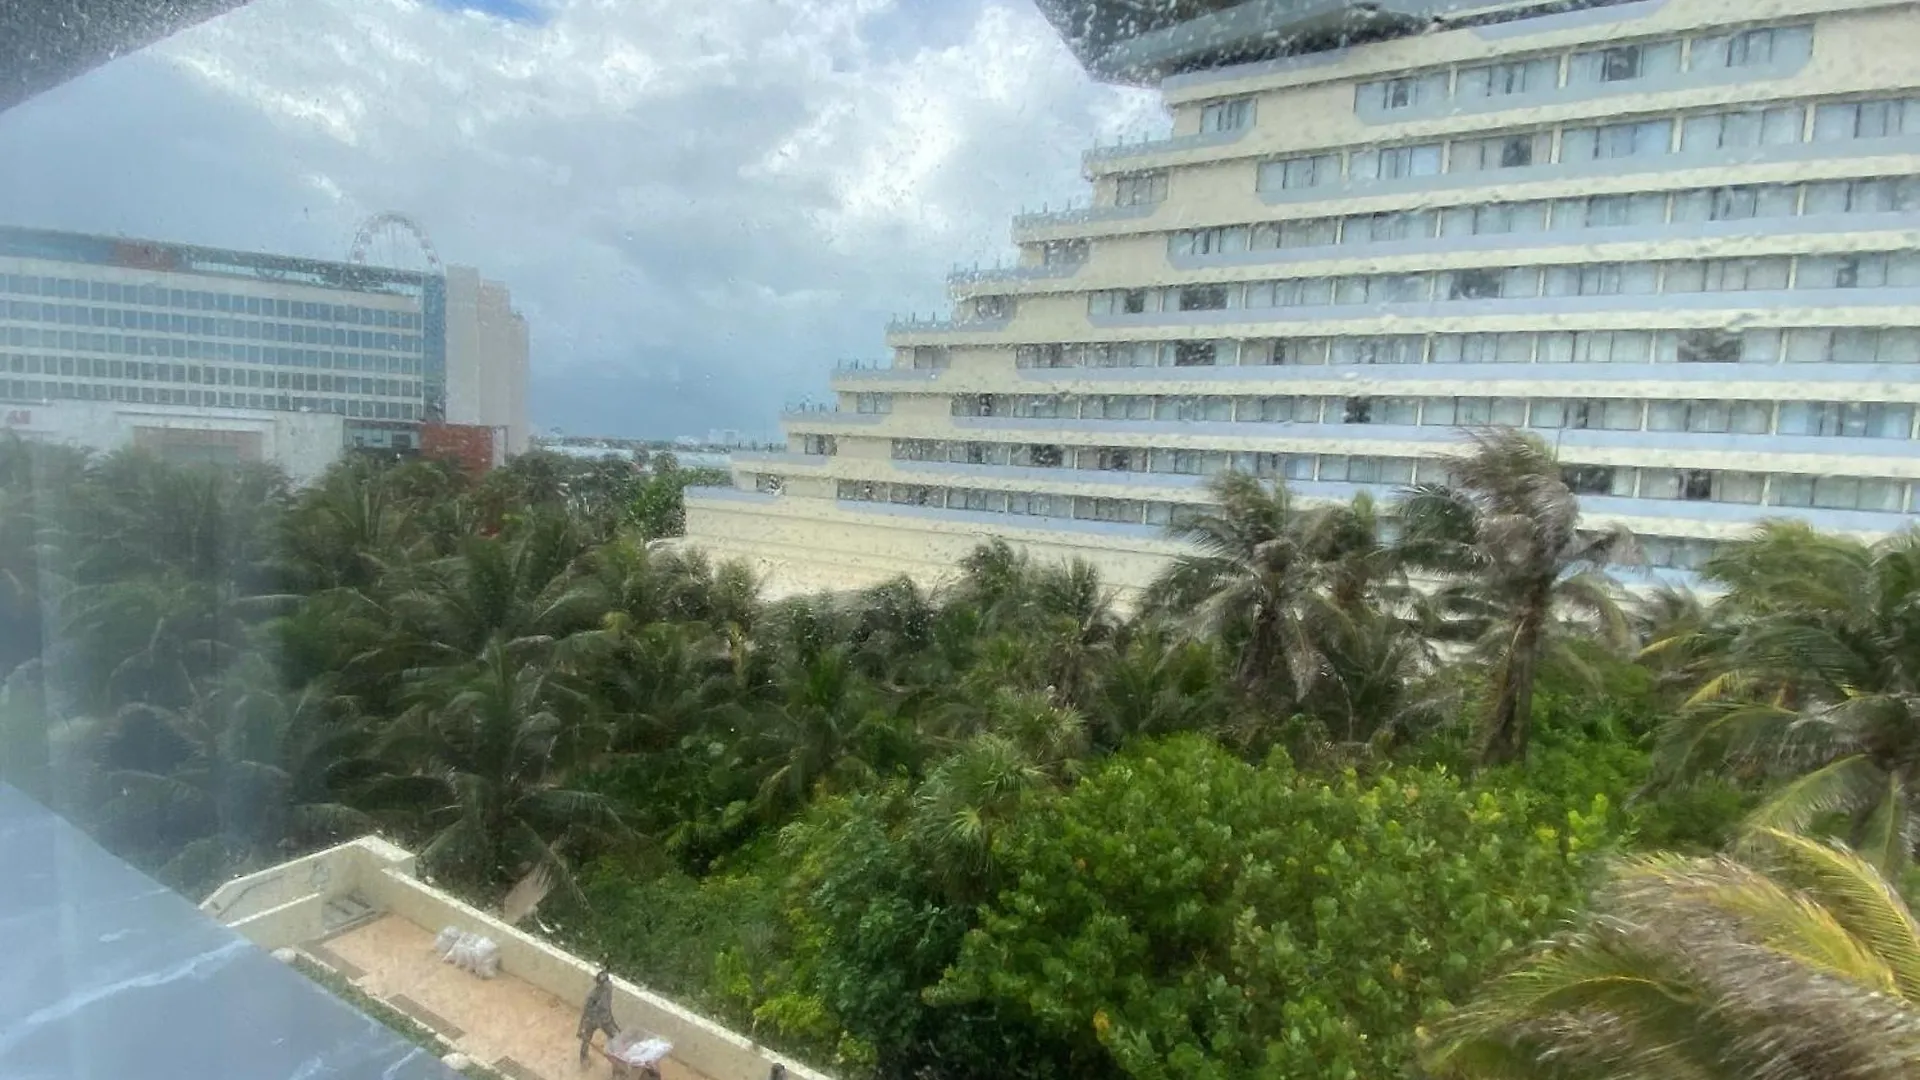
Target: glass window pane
(1790, 490)
(1738, 487)
(1878, 494)
(1659, 484)
(1782, 125)
(1666, 416)
(1799, 418)
(1832, 122)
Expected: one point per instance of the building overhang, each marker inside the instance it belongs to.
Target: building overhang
(43, 43)
(1141, 42)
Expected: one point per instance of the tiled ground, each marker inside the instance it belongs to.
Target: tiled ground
(487, 1019)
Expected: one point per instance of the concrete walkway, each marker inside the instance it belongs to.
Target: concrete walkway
(519, 1030)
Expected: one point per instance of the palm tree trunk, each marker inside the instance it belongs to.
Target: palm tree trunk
(1261, 653)
(1504, 738)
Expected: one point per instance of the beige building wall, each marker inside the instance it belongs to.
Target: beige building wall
(487, 357)
(1336, 261)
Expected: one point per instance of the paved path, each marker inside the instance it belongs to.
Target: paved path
(487, 1019)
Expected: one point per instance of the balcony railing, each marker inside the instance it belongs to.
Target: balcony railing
(976, 275)
(914, 323)
(1198, 140)
(772, 457)
(851, 376)
(826, 414)
(1075, 213)
(862, 365)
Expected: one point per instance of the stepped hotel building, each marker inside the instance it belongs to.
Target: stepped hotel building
(1677, 239)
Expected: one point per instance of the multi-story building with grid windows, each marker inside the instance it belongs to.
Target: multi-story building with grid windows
(1678, 239)
(205, 353)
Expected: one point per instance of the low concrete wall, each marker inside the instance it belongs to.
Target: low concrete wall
(289, 924)
(698, 1042)
(286, 906)
(334, 871)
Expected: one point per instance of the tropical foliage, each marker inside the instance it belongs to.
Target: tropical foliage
(1267, 818)
(1801, 962)
(1808, 671)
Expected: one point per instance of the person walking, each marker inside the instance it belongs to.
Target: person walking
(598, 1014)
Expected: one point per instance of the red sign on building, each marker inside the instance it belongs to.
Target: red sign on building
(477, 449)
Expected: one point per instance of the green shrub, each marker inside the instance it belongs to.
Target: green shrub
(1192, 916)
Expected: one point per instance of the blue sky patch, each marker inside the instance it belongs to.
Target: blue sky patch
(514, 10)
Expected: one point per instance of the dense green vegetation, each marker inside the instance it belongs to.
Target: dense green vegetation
(1324, 782)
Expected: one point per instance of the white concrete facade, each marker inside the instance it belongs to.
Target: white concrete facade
(301, 445)
(1679, 239)
(487, 357)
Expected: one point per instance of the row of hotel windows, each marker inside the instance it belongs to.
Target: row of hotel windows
(207, 326)
(1691, 485)
(1030, 503)
(1874, 420)
(1879, 195)
(147, 371)
(195, 349)
(1737, 129)
(1686, 553)
(1618, 65)
(194, 300)
(33, 390)
(1844, 345)
(1862, 270)
(1516, 80)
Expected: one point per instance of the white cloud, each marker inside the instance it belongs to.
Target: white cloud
(698, 206)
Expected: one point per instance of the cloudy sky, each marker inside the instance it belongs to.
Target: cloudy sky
(698, 206)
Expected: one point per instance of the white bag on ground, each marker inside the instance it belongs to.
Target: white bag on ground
(468, 952)
(642, 1052)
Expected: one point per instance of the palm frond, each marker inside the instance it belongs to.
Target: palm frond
(1860, 897)
(1845, 784)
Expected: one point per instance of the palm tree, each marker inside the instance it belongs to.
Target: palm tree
(967, 800)
(1274, 579)
(657, 684)
(828, 728)
(351, 528)
(1157, 685)
(1069, 619)
(516, 589)
(252, 773)
(139, 515)
(1810, 674)
(1009, 621)
(1026, 743)
(642, 585)
(892, 623)
(486, 763)
(1678, 631)
(1505, 543)
(36, 484)
(993, 578)
(1381, 692)
(1804, 964)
